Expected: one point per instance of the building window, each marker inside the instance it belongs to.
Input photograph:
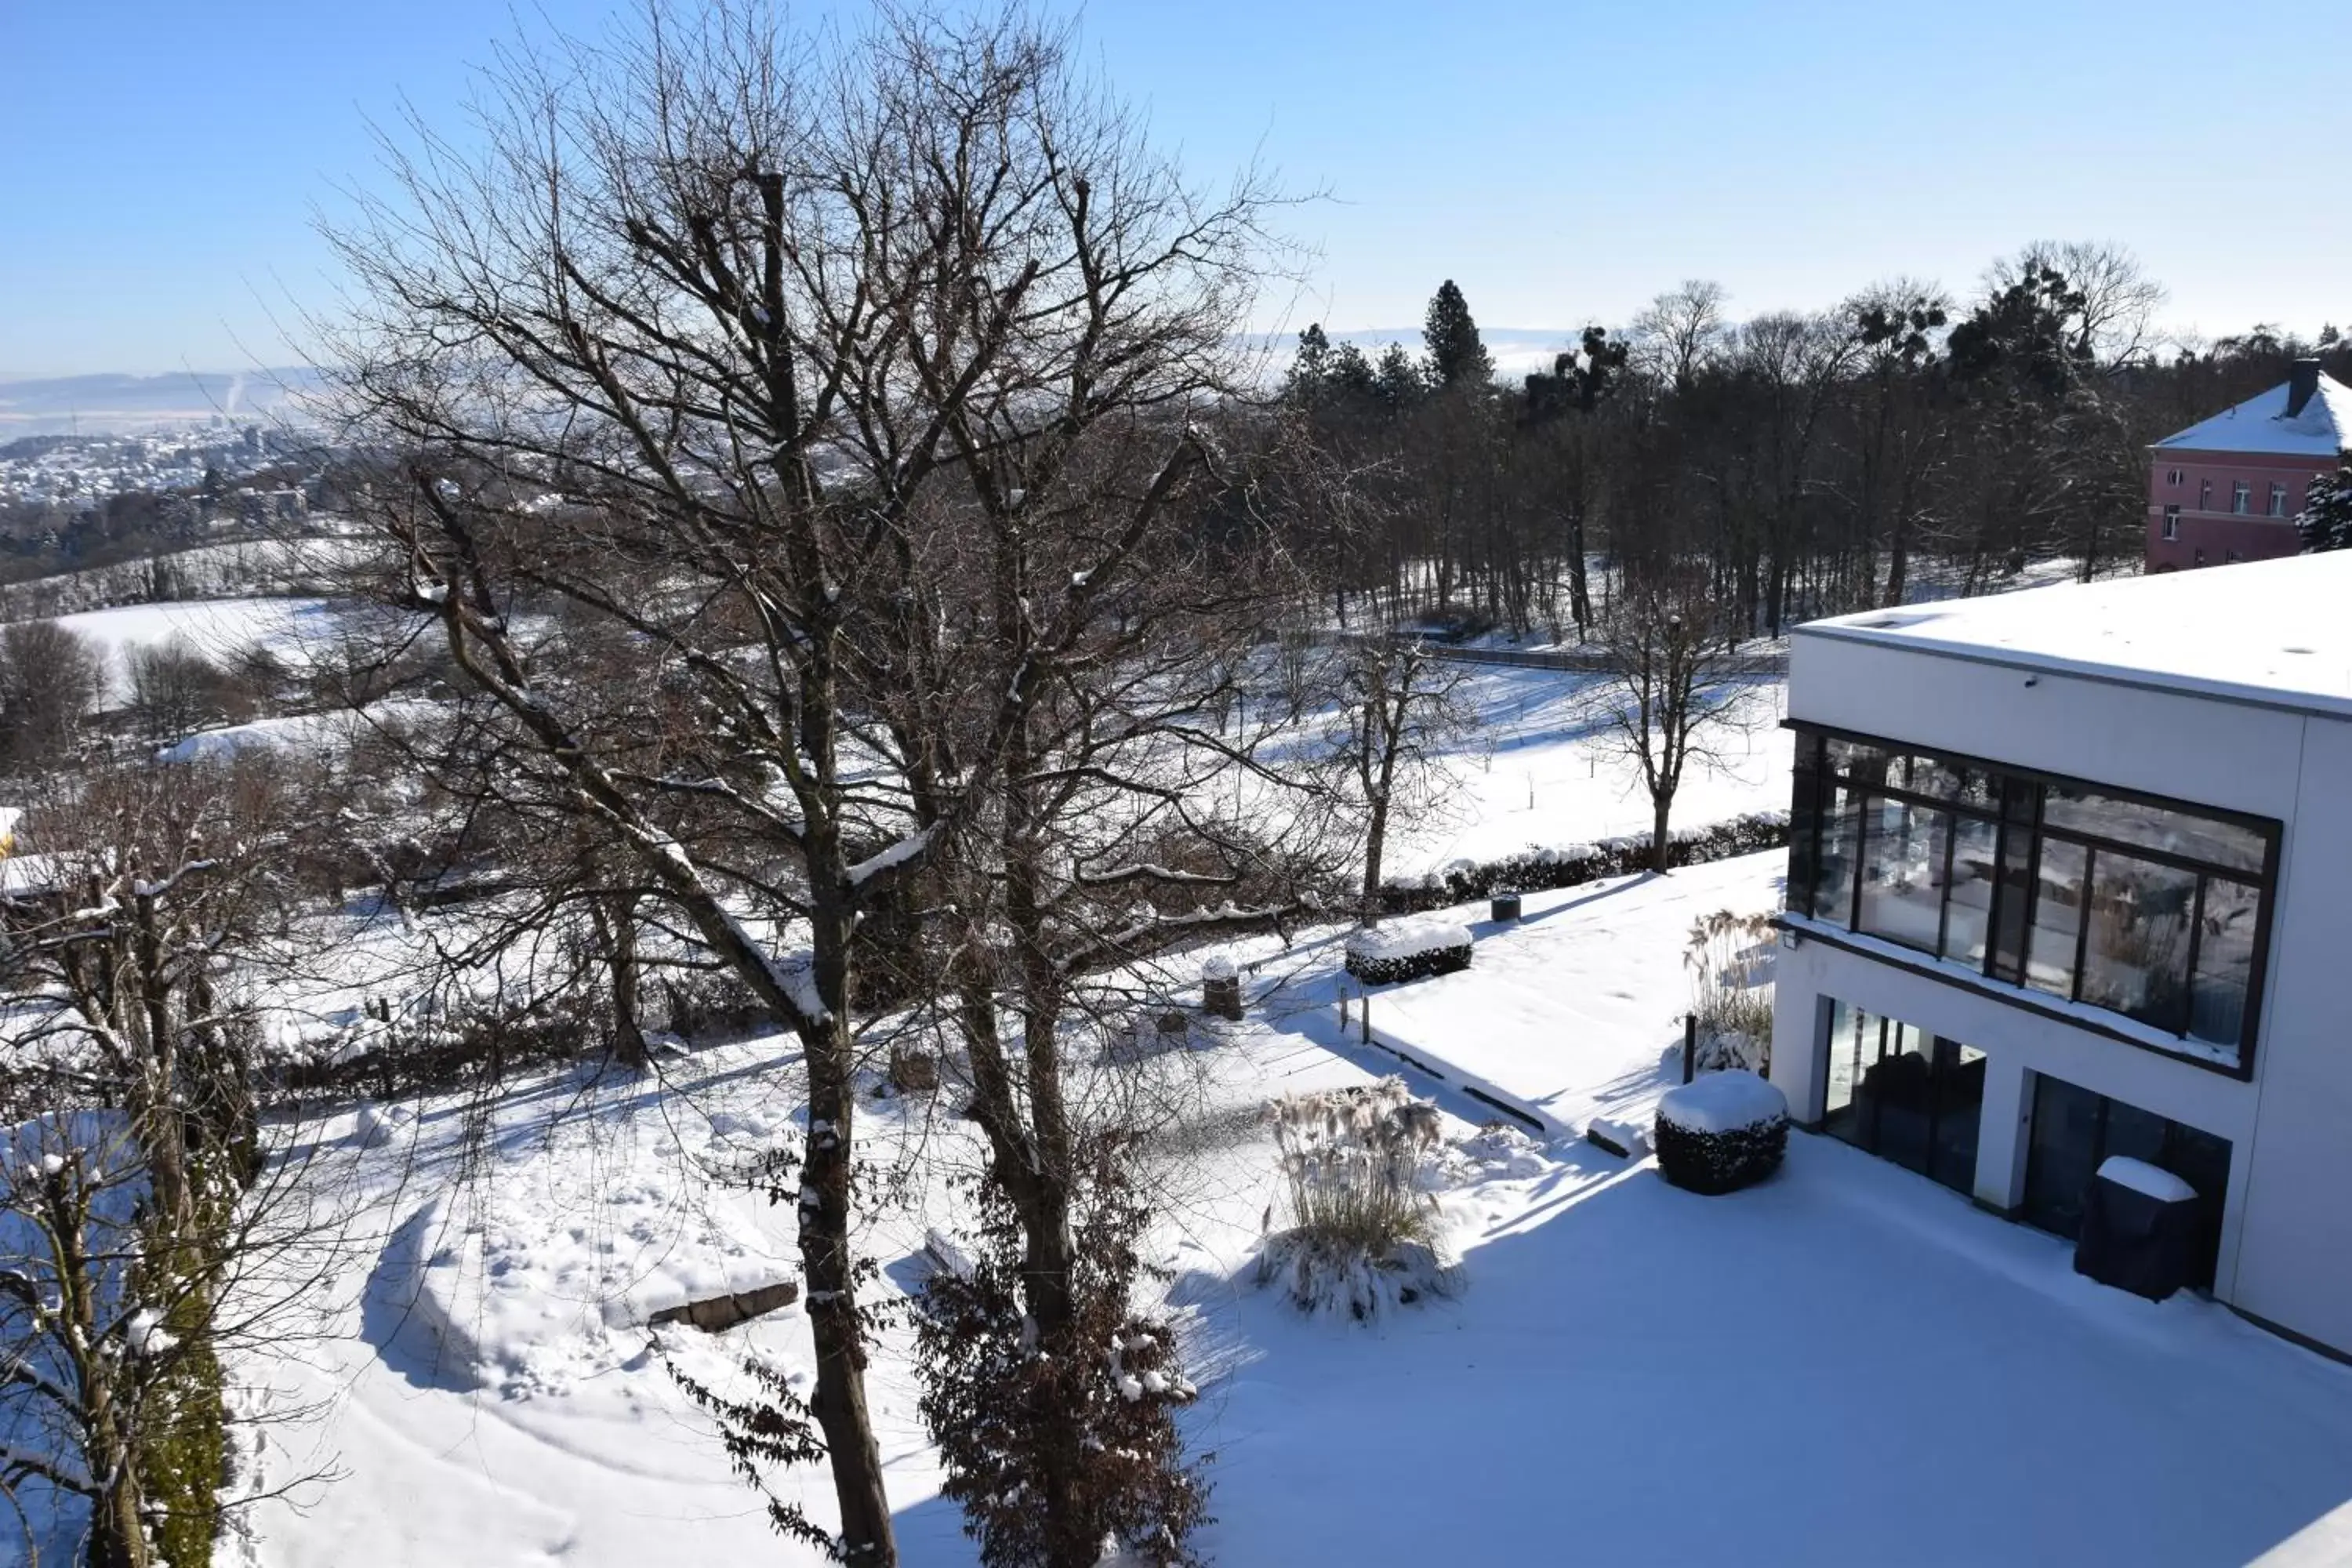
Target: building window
(2155, 910)
(2241, 497)
(2172, 478)
(1904, 1095)
(2172, 523)
(2075, 1130)
(2204, 495)
(2278, 500)
(2230, 557)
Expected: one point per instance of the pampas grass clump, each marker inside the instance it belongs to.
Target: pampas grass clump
(1364, 1236)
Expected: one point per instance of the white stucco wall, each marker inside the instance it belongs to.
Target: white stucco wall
(2294, 1262)
(2286, 1243)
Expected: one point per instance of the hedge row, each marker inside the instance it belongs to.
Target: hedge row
(1538, 870)
(1387, 968)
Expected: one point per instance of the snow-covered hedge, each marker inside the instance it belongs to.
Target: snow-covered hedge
(1407, 952)
(1573, 865)
(1721, 1132)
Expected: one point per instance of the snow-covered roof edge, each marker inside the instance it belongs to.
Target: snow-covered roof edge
(2322, 429)
(1947, 629)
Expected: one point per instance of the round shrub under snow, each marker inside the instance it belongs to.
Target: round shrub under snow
(1721, 1132)
(1407, 951)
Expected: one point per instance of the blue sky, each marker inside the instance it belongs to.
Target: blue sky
(1562, 159)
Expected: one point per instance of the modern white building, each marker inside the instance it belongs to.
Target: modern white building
(2071, 876)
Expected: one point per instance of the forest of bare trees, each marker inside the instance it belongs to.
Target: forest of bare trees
(1804, 462)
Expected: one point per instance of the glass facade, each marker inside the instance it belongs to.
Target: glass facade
(2075, 1130)
(1904, 1095)
(2154, 911)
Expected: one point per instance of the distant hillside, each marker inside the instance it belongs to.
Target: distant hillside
(97, 404)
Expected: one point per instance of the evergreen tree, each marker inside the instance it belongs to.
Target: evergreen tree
(1580, 378)
(1455, 354)
(1350, 372)
(1397, 381)
(2326, 520)
(1311, 366)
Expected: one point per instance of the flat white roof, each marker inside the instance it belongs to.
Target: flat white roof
(2274, 631)
(2259, 424)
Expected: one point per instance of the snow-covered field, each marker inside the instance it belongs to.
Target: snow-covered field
(217, 627)
(1543, 773)
(1848, 1365)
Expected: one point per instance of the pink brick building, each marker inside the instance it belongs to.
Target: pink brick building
(2229, 488)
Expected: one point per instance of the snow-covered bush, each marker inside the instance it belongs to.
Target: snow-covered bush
(1364, 1236)
(1498, 1151)
(1721, 1132)
(1536, 869)
(1729, 959)
(1385, 954)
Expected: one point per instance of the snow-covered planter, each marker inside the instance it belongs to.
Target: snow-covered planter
(1385, 954)
(1365, 1236)
(1721, 1132)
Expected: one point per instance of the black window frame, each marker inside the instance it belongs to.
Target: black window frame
(2019, 796)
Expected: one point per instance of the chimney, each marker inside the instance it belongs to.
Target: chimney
(2301, 382)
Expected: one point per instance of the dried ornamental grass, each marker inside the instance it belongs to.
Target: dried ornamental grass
(1365, 1236)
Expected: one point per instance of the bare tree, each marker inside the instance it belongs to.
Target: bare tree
(175, 688)
(52, 679)
(1670, 686)
(1402, 712)
(142, 1223)
(1680, 330)
(1136, 817)
(714, 352)
(2116, 322)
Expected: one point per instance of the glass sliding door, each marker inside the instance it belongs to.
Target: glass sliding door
(1901, 1093)
(2075, 1130)
(1959, 1075)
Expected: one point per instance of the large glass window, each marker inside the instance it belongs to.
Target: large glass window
(1969, 880)
(2153, 910)
(1839, 832)
(2223, 973)
(1902, 877)
(2137, 960)
(2057, 918)
(2074, 809)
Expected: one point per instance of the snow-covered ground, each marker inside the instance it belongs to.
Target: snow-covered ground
(217, 627)
(1567, 1015)
(1847, 1365)
(1544, 773)
(299, 734)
